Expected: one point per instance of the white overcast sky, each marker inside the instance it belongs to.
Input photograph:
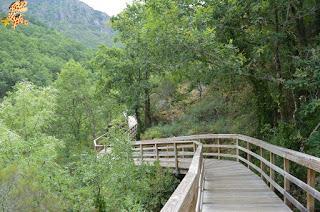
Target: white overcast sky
(111, 7)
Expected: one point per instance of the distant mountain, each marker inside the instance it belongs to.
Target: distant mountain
(35, 53)
(73, 18)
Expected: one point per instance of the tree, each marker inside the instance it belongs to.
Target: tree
(76, 120)
(29, 110)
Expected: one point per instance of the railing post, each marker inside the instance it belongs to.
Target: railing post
(261, 163)
(141, 153)
(194, 147)
(157, 152)
(237, 149)
(286, 184)
(218, 148)
(248, 155)
(272, 161)
(176, 158)
(311, 178)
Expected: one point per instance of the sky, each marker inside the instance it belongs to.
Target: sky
(111, 7)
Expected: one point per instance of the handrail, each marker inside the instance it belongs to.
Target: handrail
(295, 156)
(243, 149)
(185, 197)
(98, 147)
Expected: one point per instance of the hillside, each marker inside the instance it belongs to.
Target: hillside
(34, 53)
(72, 18)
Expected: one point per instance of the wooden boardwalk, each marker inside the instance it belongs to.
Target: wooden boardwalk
(219, 174)
(230, 186)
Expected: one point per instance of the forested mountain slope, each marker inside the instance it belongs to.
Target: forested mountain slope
(73, 18)
(184, 67)
(34, 53)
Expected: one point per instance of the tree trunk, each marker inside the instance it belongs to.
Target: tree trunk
(137, 113)
(286, 103)
(147, 109)
(300, 24)
(265, 105)
(147, 105)
(317, 18)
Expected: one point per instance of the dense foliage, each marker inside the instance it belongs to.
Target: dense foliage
(220, 66)
(72, 18)
(35, 54)
(184, 67)
(47, 161)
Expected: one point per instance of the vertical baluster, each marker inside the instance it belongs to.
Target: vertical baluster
(157, 151)
(248, 155)
(194, 147)
(311, 177)
(272, 161)
(261, 163)
(141, 153)
(237, 149)
(286, 184)
(182, 151)
(218, 148)
(176, 158)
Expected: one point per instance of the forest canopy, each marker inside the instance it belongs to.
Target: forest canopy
(182, 67)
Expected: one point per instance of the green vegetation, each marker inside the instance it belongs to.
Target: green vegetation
(184, 67)
(35, 54)
(220, 67)
(47, 160)
(72, 18)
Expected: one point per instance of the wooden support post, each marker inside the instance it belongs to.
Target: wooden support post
(286, 183)
(176, 158)
(272, 160)
(248, 155)
(218, 149)
(141, 153)
(311, 178)
(194, 147)
(261, 163)
(157, 151)
(237, 149)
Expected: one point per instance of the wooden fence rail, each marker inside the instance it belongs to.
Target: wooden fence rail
(270, 162)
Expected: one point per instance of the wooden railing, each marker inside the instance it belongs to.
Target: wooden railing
(97, 146)
(178, 155)
(271, 162)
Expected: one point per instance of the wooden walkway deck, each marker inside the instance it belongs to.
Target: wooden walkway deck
(230, 186)
(219, 174)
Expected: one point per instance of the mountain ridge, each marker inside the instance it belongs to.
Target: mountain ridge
(73, 18)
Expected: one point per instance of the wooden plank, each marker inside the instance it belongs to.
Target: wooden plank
(242, 208)
(297, 157)
(185, 196)
(230, 186)
(141, 152)
(200, 189)
(157, 151)
(271, 171)
(288, 176)
(290, 198)
(308, 161)
(221, 155)
(286, 184)
(311, 178)
(237, 150)
(261, 163)
(248, 155)
(176, 158)
(218, 148)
